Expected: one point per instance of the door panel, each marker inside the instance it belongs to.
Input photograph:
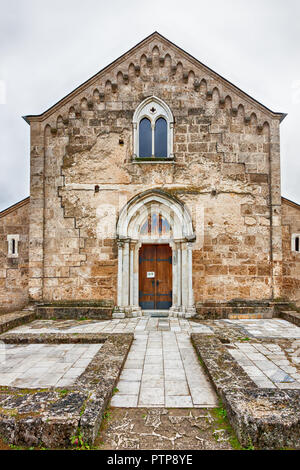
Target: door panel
(163, 277)
(155, 277)
(147, 261)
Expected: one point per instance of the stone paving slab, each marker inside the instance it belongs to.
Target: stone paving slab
(44, 365)
(162, 370)
(274, 328)
(51, 415)
(266, 369)
(141, 325)
(161, 355)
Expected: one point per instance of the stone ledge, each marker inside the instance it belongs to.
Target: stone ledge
(59, 338)
(264, 418)
(51, 417)
(64, 312)
(236, 309)
(291, 316)
(12, 320)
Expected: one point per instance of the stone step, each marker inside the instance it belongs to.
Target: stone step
(65, 312)
(291, 316)
(246, 316)
(222, 311)
(14, 319)
(156, 313)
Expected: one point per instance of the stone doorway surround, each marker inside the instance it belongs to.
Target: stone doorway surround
(130, 237)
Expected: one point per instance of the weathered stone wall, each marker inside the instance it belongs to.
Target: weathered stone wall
(226, 170)
(14, 270)
(291, 259)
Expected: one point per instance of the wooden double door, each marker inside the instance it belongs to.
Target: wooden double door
(155, 277)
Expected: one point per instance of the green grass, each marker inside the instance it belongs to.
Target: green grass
(221, 419)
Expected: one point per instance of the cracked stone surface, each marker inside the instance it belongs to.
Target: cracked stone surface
(159, 428)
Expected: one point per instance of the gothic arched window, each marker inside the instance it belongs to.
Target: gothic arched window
(153, 130)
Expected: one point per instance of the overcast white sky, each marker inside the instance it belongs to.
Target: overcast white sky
(49, 48)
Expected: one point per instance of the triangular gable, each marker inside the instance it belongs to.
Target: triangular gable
(230, 86)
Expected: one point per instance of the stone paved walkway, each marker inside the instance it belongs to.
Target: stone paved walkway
(162, 368)
(128, 325)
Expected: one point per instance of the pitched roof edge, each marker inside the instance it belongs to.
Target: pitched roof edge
(38, 117)
(290, 203)
(14, 207)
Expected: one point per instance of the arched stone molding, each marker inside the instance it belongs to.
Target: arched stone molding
(152, 108)
(179, 236)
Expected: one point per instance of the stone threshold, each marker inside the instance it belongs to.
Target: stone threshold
(50, 417)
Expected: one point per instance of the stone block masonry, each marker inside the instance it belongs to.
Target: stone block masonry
(291, 258)
(14, 222)
(222, 169)
(225, 171)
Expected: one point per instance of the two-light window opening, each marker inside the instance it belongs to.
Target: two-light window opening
(153, 130)
(153, 138)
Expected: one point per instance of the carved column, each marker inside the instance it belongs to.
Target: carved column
(190, 277)
(184, 277)
(174, 276)
(179, 275)
(120, 272)
(125, 277)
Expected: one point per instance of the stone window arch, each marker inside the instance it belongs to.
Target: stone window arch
(153, 124)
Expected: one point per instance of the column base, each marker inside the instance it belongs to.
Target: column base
(127, 312)
(182, 312)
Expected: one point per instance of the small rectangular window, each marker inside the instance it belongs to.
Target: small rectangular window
(13, 242)
(296, 242)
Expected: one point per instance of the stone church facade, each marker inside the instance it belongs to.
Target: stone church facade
(155, 185)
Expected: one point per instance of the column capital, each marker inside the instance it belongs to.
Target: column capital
(133, 243)
(122, 241)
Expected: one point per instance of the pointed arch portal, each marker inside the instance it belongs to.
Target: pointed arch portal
(155, 219)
